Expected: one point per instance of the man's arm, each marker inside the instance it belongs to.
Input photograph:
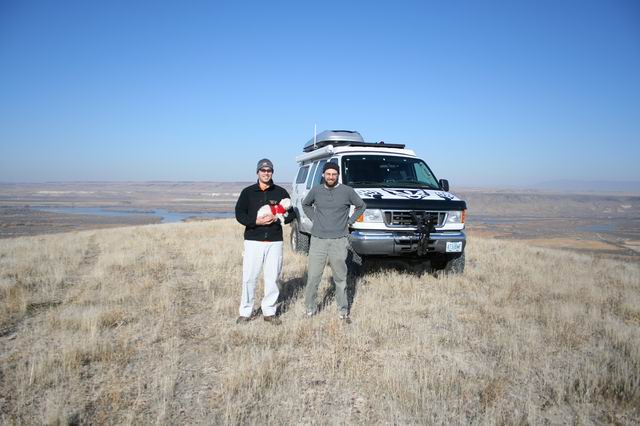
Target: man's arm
(307, 204)
(360, 205)
(242, 210)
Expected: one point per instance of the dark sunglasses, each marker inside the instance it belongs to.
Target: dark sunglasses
(266, 170)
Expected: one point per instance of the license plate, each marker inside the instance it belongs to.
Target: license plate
(454, 247)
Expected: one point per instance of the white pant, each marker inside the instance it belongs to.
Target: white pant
(256, 255)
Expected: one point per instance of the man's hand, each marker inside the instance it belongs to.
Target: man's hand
(265, 220)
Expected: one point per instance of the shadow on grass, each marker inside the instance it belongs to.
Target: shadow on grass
(291, 289)
(289, 292)
(404, 266)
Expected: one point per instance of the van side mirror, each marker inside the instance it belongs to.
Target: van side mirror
(444, 184)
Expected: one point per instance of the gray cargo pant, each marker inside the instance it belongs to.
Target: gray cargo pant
(335, 250)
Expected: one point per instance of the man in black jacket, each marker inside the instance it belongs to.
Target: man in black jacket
(262, 243)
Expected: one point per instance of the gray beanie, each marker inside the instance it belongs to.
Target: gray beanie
(265, 162)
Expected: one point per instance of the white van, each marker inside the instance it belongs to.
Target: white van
(410, 213)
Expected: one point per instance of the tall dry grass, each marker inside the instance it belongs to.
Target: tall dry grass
(137, 325)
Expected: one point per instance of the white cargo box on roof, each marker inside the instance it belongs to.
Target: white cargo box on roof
(332, 137)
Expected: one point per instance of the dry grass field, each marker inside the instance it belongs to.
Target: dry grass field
(137, 325)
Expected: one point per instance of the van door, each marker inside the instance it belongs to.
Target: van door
(301, 187)
(301, 179)
(315, 177)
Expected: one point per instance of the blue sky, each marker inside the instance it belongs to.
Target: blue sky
(489, 93)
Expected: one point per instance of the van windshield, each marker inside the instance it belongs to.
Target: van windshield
(387, 171)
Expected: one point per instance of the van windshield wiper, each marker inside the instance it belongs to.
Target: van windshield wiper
(363, 182)
(410, 184)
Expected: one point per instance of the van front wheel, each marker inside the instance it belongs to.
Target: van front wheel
(455, 265)
(449, 264)
(299, 241)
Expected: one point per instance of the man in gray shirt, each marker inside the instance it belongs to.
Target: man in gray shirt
(328, 207)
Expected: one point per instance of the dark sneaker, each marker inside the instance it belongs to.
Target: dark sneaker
(345, 318)
(273, 320)
(243, 320)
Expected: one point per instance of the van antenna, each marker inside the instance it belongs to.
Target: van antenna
(315, 132)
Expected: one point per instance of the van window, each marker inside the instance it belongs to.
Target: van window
(313, 170)
(317, 179)
(302, 174)
(335, 161)
(381, 170)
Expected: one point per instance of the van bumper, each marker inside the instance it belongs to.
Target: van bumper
(391, 243)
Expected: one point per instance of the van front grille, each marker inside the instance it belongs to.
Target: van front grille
(406, 218)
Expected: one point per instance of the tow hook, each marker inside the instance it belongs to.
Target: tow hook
(424, 226)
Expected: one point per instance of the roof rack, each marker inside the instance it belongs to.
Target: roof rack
(380, 144)
(344, 138)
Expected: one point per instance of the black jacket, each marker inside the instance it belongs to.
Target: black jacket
(250, 200)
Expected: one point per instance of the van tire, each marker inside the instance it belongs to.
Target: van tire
(448, 264)
(299, 241)
(455, 265)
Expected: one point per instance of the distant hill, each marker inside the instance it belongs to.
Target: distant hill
(590, 186)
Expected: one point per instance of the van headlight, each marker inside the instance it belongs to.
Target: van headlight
(371, 216)
(456, 216)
